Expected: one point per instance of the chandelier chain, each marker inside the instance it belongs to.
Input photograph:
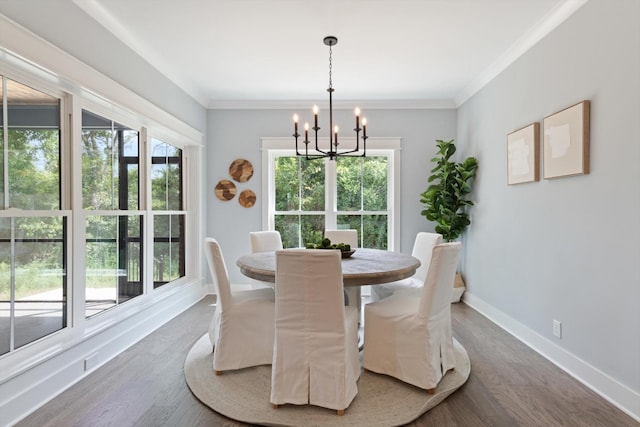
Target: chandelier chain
(330, 66)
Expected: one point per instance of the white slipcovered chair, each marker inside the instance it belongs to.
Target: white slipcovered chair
(242, 329)
(263, 241)
(422, 247)
(408, 335)
(343, 236)
(315, 356)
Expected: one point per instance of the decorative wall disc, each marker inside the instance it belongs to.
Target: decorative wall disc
(225, 190)
(247, 198)
(241, 170)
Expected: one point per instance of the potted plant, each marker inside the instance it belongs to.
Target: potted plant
(446, 198)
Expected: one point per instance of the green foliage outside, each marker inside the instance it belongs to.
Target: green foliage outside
(34, 168)
(446, 198)
(34, 183)
(361, 198)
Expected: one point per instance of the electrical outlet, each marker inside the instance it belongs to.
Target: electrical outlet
(90, 362)
(557, 328)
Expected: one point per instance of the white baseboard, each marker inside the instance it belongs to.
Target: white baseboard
(616, 393)
(26, 392)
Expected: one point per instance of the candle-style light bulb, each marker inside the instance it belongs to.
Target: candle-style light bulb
(364, 127)
(306, 131)
(295, 122)
(357, 117)
(315, 117)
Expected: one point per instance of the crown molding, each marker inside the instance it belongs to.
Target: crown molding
(97, 11)
(397, 104)
(547, 24)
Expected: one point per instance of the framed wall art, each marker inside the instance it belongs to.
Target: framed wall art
(566, 142)
(523, 154)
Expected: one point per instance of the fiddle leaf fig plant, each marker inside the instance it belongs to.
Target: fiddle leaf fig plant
(446, 198)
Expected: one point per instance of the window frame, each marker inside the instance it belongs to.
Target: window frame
(78, 86)
(164, 212)
(273, 147)
(63, 211)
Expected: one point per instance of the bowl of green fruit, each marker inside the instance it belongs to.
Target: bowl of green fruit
(344, 248)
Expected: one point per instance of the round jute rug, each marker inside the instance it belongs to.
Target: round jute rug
(381, 401)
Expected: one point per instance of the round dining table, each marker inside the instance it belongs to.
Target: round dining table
(364, 267)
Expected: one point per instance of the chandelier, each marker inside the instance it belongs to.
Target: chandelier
(332, 153)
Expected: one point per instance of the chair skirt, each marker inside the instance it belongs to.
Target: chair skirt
(322, 372)
(243, 334)
(402, 344)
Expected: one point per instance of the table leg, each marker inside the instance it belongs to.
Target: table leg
(354, 299)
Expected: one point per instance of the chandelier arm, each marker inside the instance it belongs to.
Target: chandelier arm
(348, 153)
(296, 135)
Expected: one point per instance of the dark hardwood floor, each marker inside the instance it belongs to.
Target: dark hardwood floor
(509, 385)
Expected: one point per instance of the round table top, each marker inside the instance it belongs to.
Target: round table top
(365, 267)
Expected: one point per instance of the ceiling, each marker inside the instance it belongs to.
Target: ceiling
(391, 53)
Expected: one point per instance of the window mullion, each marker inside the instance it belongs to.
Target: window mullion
(5, 144)
(145, 206)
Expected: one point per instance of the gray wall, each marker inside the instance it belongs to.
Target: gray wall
(233, 134)
(567, 248)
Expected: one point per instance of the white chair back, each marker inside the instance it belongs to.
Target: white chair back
(309, 295)
(422, 249)
(219, 272)
(315, 354)
(242, 328)
(438, 285)
(343, 236)
(262, 241)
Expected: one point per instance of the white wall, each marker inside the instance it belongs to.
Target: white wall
(567, 248)
(233, 134)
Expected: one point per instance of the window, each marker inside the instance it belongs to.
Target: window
(299, 188)
(361, 198)
(110, 187)
(308, 196)
(116, 170)
(169, 217)
(33, 228)
(78, 219)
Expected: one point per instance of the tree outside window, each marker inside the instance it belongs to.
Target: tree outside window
(311, 195)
